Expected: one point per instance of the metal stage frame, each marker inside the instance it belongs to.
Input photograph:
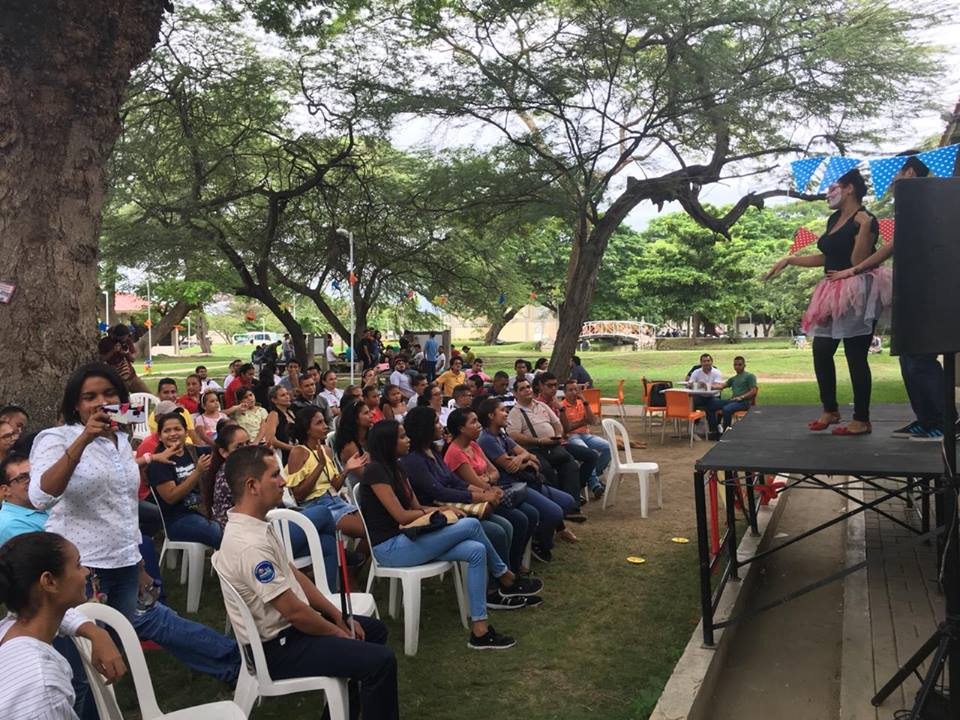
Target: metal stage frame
(775, 441)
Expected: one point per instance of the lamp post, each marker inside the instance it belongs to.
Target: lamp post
(149, 326)
(353, 305)
(106, 307)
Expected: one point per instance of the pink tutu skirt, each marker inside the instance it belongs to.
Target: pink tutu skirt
(849, 307)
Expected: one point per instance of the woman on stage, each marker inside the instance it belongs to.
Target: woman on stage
(848, 309)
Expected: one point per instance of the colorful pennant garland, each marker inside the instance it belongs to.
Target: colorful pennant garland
(886, 230)
(801, 238)
(940, 161)
(882, 172)
(502, 299)
(804, 169)
(836, 168)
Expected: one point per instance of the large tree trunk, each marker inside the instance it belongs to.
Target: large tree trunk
(497, 326)
(205, 345)
(64, 66)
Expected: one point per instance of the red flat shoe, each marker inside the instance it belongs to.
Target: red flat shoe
(816, 425)
(844, 430)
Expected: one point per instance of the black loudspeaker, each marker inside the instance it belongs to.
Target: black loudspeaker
(926, 266)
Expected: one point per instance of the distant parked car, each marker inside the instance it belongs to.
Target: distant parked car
(256, 337)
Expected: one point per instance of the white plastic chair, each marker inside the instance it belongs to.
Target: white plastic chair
(617, 469)
(191, 568)
(149, 401)
(362, 603)
(409, 578)
(255, 682)
(104, 695)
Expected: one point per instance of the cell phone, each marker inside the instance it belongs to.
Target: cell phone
(125, 413)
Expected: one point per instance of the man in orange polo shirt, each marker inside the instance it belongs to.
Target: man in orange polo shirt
(577, 417)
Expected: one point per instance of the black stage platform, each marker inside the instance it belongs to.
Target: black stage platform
(774, 440)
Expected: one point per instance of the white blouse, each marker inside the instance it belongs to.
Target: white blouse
(37, 680)
(98, 510)
(332, 398)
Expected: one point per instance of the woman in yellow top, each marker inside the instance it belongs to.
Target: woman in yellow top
(312, 475)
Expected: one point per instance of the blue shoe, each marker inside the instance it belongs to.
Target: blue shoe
(933, 434)
(908, 431)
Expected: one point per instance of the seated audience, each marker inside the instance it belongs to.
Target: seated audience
(206, 421)
(41, 582)
(351, 393)
(217, 498)
(264, 383)
(15, 416)
(476, 370)
(249, 415)
(461, 397)
(441, 361)
(521, 370)
(177, 485)
(306, 396)
(206, 384)
(501, 391)
(17, 514)
(536, 427)
(518, 465)
(330, 392)
(303, 633)
(577, 417)
(401, 379)
(579, 373)
(167, 391)
(706, 377)
(451, 378)
(275, 430)
(418, 383)
(291, 377)
(233, 371)
(371, 398)
(744, 387)
(432, 396)
(9, 434)
(467, 354)
(351, 437)
(540, 366)
(581, 452)
(388, 502)
(190, 400)
(370, 376)
(478, 390)
(392, 406)
(244, 379)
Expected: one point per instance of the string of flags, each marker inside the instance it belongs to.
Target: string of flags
(941, 162)
(803, 237)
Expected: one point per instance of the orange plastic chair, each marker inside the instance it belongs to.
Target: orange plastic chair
(591, 396)
(646, 412)
(743, 413)
(678, 408)
(618, 401)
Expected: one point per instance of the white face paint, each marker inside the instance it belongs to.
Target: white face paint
(834, 196)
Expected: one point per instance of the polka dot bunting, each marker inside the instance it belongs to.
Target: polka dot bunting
(882, 172)
(836, 168)
(804, 169)
(940, 161)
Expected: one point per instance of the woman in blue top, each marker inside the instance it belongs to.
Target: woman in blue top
(847, 309)
(177, 485)
(435, 484)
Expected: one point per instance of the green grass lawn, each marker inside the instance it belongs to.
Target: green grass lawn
(785, 374)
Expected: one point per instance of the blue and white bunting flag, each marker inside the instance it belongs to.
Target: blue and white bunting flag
(882, 172)
(940, 161)
(804, 169)
(836, 168)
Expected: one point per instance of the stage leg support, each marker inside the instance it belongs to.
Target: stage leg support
(731, 495)
(703, 548)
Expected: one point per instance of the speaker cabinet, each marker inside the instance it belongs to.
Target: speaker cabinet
(926, 266)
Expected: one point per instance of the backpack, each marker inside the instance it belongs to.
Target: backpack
(657, 398)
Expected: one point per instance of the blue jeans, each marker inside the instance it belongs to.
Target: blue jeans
(598, 445)
(322, 520)
(463, 541)
(727, 408)
(499, 532)
(547, 501)
(194, 527)
(120, 585)
(520, 532)
(195, 645)
(923, 378)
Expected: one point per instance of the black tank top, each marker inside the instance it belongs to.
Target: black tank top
(837, 247)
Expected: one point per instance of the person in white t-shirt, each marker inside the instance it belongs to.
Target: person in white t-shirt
(706, 377)
(330, 392)
(41, 582)
(401, 379)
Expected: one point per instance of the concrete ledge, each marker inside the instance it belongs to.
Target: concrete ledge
(688, 691)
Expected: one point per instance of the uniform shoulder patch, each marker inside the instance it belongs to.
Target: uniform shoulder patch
(264, 572)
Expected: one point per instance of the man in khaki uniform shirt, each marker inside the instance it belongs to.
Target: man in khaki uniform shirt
(303, 633)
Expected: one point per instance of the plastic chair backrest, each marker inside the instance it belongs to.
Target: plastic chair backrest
(614, 430)
(136, 662)
(247, 632)
(646, 390)
(591, 396)
(163, 522)
(281, 519)
(678, 403)
(753, 400)
(620, 390)
(356, 490)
